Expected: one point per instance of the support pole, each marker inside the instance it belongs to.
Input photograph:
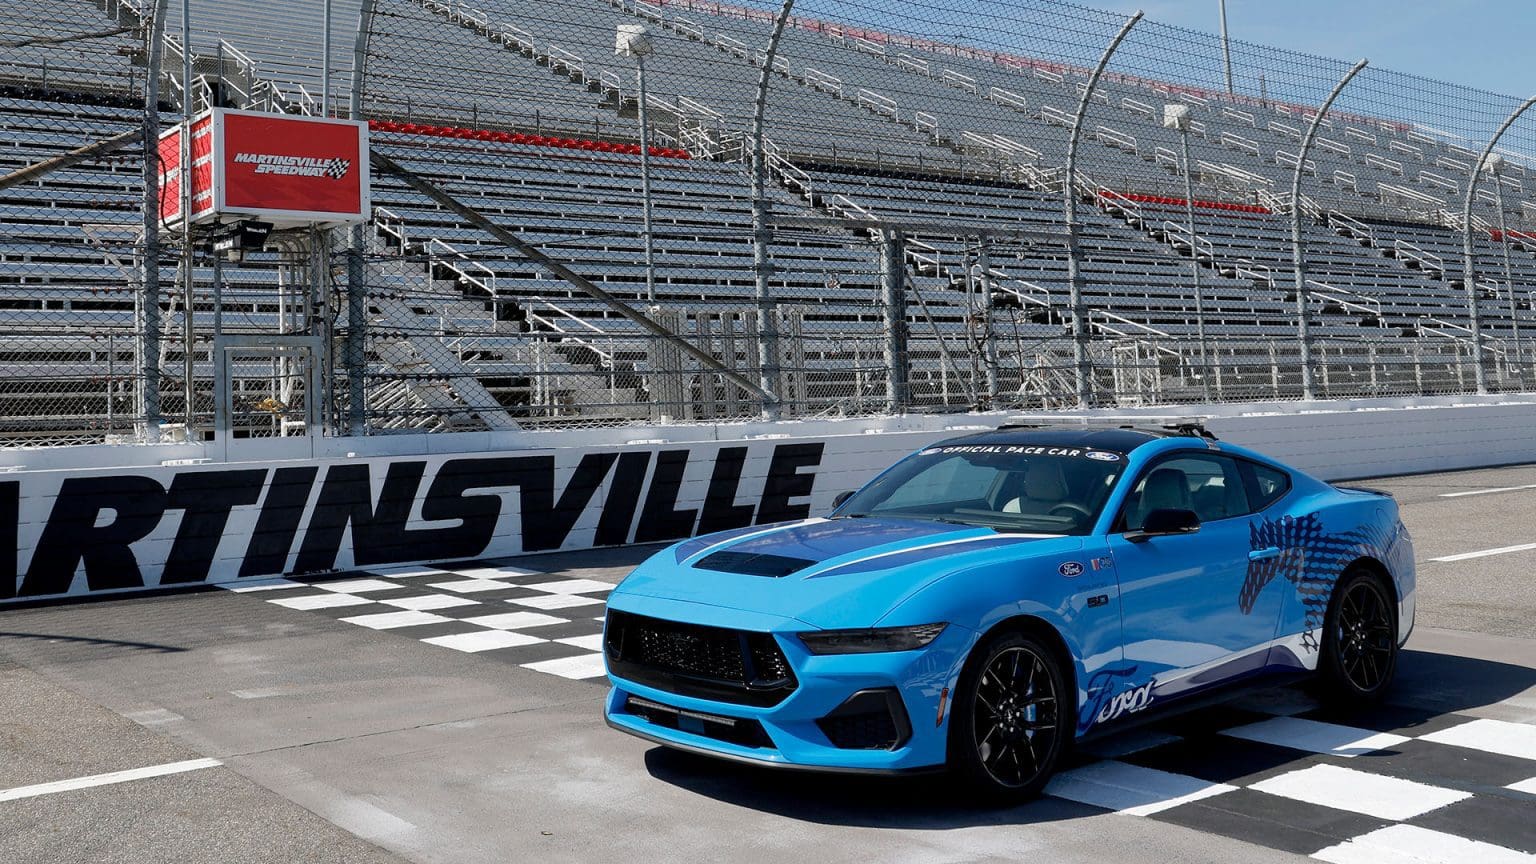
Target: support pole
(1194, 268)
(1079, 321)
(325, 63)
(646, 203)
(989, 342)
(1298, 258)
(1509, 280)
(1226, 47)
(1479, 367)
(189, 369)
(762, 235)
(893, 300)
(355, 356)
(148, 301)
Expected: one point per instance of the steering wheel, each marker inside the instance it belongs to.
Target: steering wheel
(1066, 508)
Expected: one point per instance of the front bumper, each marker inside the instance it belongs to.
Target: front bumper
(790, 735)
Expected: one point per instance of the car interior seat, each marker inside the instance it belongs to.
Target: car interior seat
(1045, 486)
(1165, 489)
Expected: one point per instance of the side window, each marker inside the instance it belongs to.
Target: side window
(1268, 485)
(1208, 484)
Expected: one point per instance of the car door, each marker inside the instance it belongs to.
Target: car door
(1187, 621)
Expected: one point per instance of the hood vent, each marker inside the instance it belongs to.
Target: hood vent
(752, 564)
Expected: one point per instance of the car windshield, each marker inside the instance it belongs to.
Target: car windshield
(1005, 487)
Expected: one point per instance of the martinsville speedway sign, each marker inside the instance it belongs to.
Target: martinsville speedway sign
(80, 532)
(273, 167)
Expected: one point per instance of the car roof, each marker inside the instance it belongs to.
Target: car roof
(1118, 439)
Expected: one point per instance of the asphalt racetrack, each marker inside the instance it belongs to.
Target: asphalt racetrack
(453, 715)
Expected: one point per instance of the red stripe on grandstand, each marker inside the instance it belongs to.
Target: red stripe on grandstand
(1179, 202)
(523, 138)
(1497, 235)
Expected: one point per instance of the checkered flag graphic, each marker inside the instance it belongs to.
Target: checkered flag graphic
(1310, 559)
(338, 168)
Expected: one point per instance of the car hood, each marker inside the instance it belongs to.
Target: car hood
(827, 573)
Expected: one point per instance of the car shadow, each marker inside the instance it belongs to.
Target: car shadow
(922, 801)
(1429, 686)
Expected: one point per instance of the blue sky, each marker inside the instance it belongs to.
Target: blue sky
(1482, 43)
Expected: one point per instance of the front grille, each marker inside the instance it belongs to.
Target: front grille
(744, 732)
(737, 666)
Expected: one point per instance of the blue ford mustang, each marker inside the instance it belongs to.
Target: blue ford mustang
(991, 599)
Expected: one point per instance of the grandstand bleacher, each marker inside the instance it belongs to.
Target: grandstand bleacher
(520, 110)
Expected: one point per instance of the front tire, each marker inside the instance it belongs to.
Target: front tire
(1012, 718)
(1359, 651)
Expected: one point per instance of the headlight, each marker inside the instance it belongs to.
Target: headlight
(871, 641)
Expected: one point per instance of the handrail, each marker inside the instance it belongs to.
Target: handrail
(1113, 200)
(1247, 268)
(922, 121)
(1411, 194)
(1115, 137)
(958, 80)
(1359, 135)
(511, 34)
(1287, 159)
(1330, 144)
(1345, 180)
(882, 105)
(485, 282)
(729, 45)
(1136, 106)
(1178, 231)
(1238, 142)
(914, 64)
(692, 106)
(865, 46)
(1164, 156)
(1426, 260)
(1434, 179)
(1354, 226)
(823, 82)
(1407, 149)
(559, 59)
(391, 223)
(1055, 116)
(1345, 298)
(1285, 129)
(1047, 75)
(1127, 322)
(687, 28)
(1390, 165)
(1007, 98)
(1032, 294)
(643, 9)
(1239, 114)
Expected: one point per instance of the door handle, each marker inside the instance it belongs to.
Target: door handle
(1264, 554)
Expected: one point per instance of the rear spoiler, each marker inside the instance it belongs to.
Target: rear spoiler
(1365, 489)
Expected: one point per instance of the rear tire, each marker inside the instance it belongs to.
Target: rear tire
(1012, 720)
(1359, 650)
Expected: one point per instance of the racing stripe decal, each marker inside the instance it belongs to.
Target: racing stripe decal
(900, 557)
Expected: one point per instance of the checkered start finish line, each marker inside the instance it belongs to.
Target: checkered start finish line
(1393, 785)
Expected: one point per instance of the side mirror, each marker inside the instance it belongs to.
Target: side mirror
(1162, 523)
(841, 498)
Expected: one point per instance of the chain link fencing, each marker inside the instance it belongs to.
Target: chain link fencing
(525, 267)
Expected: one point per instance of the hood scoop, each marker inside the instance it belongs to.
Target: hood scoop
(752, 563)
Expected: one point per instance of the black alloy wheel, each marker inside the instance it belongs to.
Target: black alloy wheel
(1360, 647)
(1009, 722)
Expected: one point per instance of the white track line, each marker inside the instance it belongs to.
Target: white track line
(1484, 553)
(1487, 491)
(1360, 792)
(1409, 844)
(106, 779)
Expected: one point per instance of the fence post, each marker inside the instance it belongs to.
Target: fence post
(148, 348)
(1298, 258)
(355, 359)
(1069, 191)
(1479, 372)
(762, 235)
(989, 336)
(893, 299)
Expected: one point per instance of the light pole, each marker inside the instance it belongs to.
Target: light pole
(1176, 116)
(1226, 46)
(1494, 166)
(634, 40)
